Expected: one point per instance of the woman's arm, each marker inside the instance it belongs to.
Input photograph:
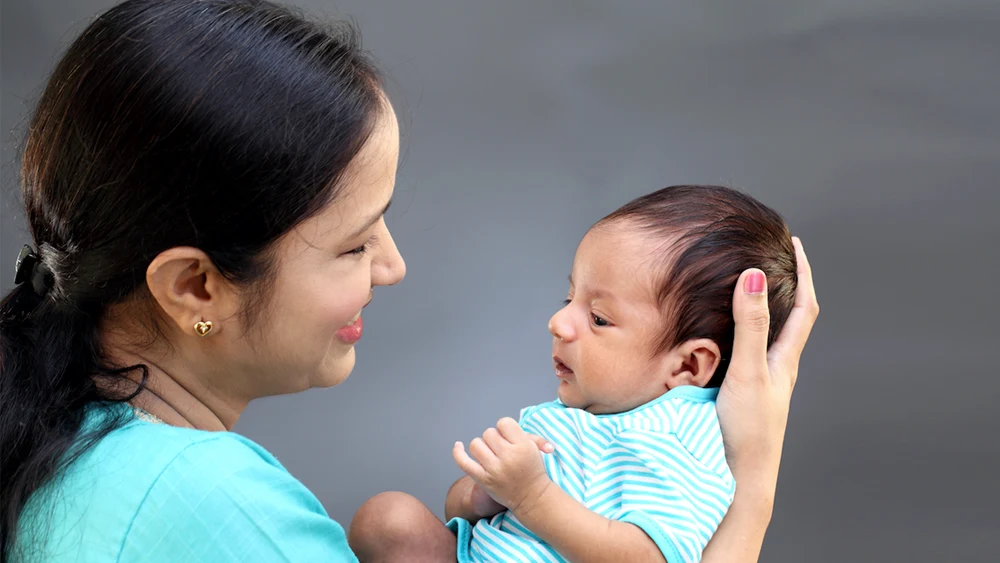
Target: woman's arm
(753, 411)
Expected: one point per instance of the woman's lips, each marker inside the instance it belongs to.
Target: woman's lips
(351, 333)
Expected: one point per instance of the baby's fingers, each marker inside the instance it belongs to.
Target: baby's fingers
(544, 445)
(466, 463)
(510, 430)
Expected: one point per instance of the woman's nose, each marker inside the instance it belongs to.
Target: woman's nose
(390, 268)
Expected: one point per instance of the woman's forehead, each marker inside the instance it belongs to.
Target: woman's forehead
(367, 186)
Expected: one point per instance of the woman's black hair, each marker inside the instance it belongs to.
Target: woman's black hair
(217, 124)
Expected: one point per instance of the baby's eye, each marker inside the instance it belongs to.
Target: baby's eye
(566, 302)
(598, 321)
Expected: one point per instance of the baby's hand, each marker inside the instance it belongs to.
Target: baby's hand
(509, 463)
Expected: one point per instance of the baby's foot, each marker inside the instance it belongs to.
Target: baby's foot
(483, 504)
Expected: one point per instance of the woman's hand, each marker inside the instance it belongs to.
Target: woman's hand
(755, 396)
(753, 408)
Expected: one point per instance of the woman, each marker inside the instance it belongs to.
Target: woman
(205, 183)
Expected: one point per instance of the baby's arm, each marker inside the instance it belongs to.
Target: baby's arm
(580, 534)
(466, 500)
(509, 466)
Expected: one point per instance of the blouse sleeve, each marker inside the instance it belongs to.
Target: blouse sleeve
(226, 500)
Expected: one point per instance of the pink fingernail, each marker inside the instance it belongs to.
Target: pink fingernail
(754, 284)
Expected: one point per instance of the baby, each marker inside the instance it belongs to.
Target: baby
(633, 464)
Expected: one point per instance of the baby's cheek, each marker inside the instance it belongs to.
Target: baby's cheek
(621, 385)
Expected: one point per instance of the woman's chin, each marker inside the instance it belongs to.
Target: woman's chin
(334, 371)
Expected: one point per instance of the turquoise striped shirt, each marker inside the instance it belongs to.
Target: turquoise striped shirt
(660, 466)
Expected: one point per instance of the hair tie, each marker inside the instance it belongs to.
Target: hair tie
(29, 268)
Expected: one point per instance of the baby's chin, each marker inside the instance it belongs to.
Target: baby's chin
(569, 397)
(572, 399)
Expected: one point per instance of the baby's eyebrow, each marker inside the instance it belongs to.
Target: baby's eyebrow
(597, 293)
(601, 294)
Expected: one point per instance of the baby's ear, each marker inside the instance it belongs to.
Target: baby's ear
(693, 363)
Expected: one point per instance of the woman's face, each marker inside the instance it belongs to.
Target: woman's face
(327, 268)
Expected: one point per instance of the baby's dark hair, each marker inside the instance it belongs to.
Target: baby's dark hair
(709, 236)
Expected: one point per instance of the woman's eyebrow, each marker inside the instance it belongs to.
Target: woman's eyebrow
(371, 221)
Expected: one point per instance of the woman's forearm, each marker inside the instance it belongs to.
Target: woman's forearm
(741, 533)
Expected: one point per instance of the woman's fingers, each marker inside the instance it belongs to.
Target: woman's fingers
(752, 323)
(787, 348)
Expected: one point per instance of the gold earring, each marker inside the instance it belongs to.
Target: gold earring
(202, 328)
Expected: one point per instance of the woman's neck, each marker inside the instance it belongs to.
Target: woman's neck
(182, 403)
(173, 392)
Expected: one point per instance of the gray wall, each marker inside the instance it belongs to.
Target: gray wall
(874, 126)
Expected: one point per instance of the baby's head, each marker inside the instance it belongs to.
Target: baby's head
(650, 296)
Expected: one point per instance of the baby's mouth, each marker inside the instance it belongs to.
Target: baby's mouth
(562, 370)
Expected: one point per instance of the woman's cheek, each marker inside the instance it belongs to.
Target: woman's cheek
(345, 304)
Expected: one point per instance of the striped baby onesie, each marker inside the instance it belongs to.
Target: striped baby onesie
(660, 466)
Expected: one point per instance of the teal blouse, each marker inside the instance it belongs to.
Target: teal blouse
(156, 493)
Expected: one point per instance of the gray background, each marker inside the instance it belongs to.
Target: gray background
(874, 126)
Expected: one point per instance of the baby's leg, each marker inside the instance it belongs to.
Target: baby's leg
(393, 527)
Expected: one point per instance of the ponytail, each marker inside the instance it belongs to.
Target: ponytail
(49, 353)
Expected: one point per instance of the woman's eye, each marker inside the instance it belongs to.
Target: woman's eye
(364, 247)
(598, 321)
(360, 250)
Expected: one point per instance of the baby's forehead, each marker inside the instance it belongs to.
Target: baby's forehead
(633, 261)
(634, 246)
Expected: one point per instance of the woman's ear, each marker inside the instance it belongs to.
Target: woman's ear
(692, 363)
(189, 289)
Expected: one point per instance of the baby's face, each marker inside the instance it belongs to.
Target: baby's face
(604, 337)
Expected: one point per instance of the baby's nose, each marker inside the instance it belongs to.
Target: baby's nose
(560, 326)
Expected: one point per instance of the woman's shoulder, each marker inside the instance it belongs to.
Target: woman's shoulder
(184, 493)
(138, 453)
(156, 447)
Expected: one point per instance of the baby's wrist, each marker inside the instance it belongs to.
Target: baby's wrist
(534, 496)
